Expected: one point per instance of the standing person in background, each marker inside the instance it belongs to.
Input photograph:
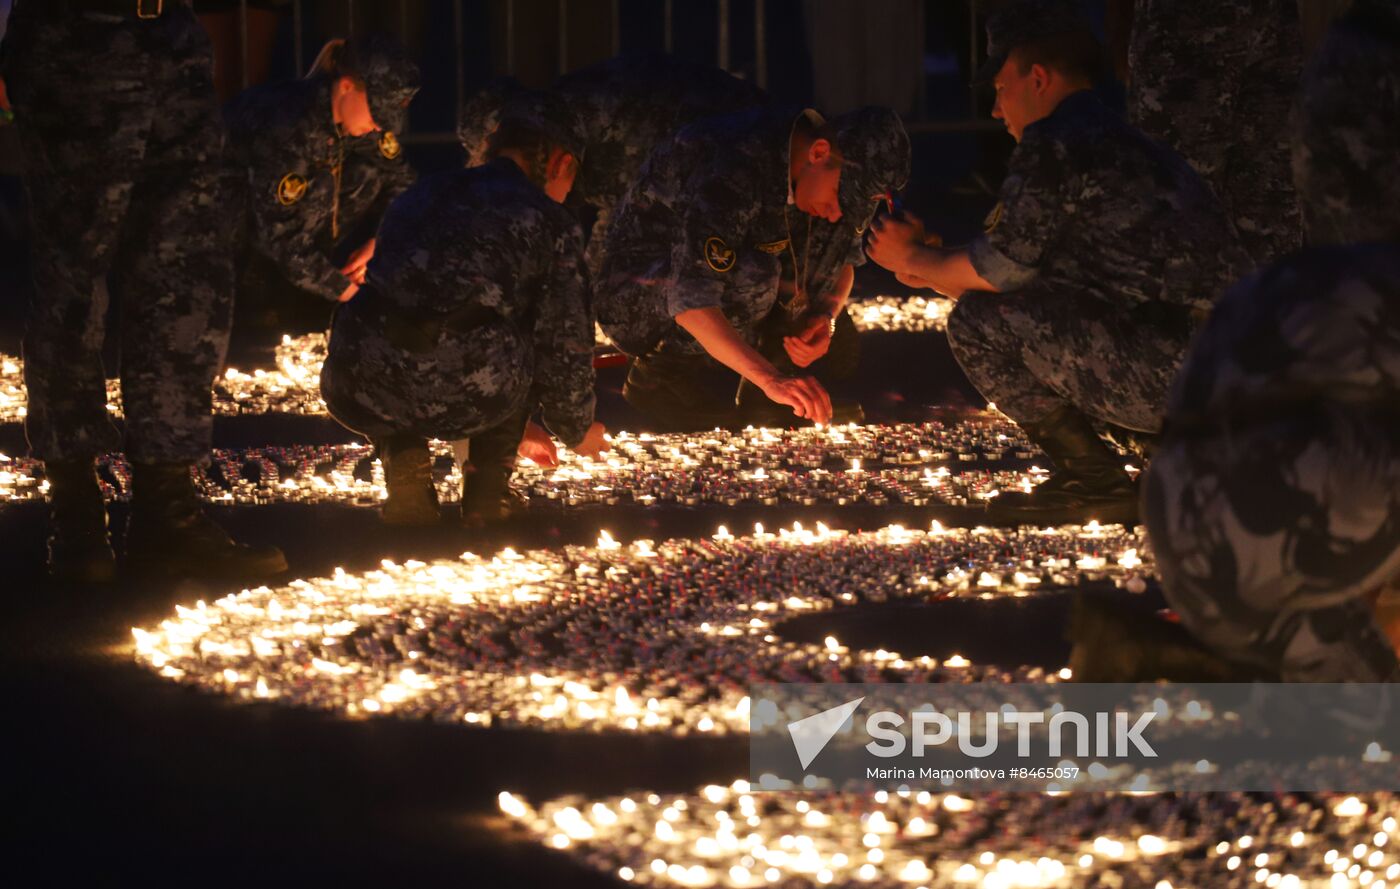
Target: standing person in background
(313, 163)
(1216, 81)
(121, 140)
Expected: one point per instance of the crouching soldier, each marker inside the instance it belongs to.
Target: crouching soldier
(474, 313)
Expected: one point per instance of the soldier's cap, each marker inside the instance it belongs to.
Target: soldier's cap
(391, 78)
(480, 115)
(547, 113)
(1022, 21)
(875, 153)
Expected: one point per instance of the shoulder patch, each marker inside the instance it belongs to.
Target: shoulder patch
(389, 145)
(291, 189)
(718, 255)
(773, 248)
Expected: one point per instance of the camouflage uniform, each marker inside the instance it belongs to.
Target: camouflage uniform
(707, 224)
(302, 187)
(475, 311)
(1216, 81)
(1103, 244)
(1273, 505)
(121, 139)
(625, 106)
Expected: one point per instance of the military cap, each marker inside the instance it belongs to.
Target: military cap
(875, 151)
(391, 78)
(1022, 21)
(481, 114)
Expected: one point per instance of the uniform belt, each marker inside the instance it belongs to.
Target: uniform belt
(135, 9)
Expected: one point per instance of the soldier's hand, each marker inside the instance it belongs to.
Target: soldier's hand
(594, 442)
(811, 341)
(806, 397)
(355, 266)
(349, 292)
(893, 242)
(537, 446)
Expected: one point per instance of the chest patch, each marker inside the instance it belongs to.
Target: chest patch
(291, 189)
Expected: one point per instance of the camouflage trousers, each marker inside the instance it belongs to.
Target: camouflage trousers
(447, 379)
(1216, 82)
(1034, 351)
(1271, 536)
(122, 140)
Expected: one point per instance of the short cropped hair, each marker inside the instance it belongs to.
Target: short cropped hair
(1075, 54)
(534, 146)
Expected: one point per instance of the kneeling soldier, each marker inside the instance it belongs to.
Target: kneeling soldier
(474, 313)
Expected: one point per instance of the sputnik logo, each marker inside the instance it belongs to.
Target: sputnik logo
(811, 734)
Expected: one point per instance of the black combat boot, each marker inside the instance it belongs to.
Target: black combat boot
(1089, 481)
(486, 495)
(170, 535)
(79, 549)
(408, 476)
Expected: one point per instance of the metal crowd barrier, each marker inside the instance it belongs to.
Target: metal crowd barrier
(723, 25)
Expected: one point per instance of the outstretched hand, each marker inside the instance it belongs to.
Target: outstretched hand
(894, 241)
(807, 398)
(594, 442)
(537, 446)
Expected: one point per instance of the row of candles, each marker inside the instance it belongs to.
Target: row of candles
(877, 465)
(728, 835)
(643, 636)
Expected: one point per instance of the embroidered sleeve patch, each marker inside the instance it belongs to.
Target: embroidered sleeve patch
(718, 255)
(389, 145)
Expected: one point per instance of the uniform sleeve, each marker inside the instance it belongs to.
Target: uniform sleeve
(714, 227)
(1027, 218)
(564, 342)
(286, 224)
